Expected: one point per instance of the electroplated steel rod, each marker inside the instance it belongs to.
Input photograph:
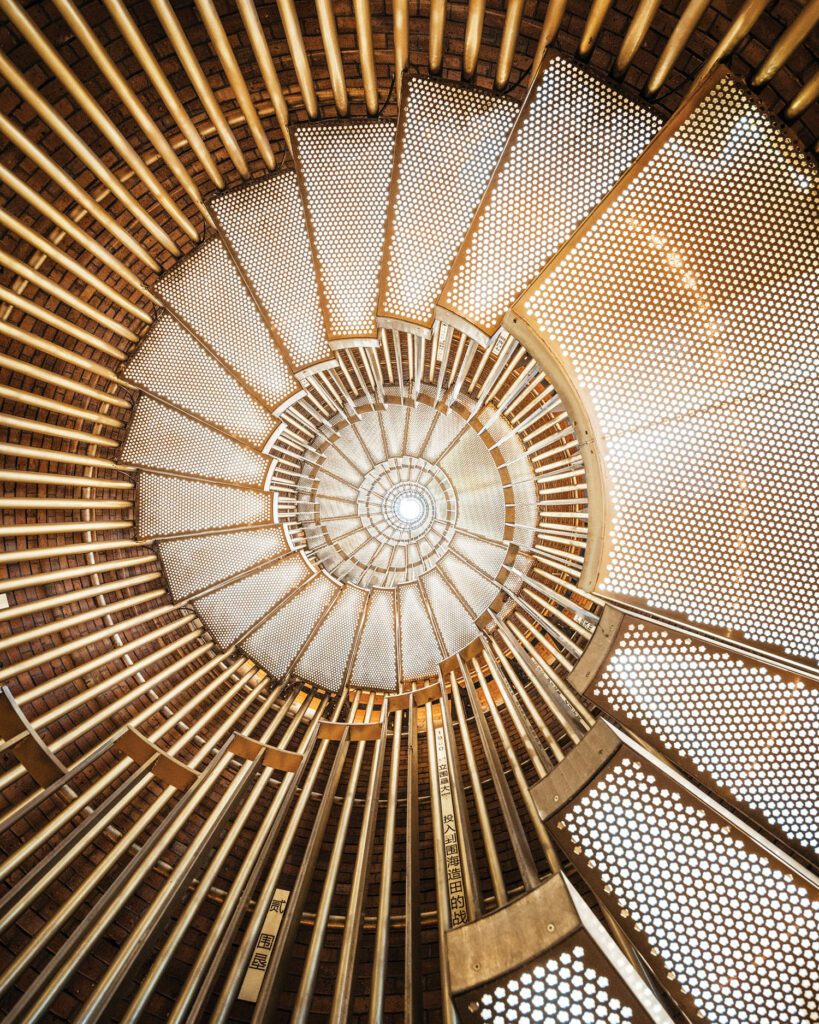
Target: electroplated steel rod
(298, 54)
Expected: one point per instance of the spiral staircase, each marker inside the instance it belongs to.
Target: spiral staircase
(410, 596)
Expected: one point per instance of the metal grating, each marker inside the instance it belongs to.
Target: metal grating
(162, 438)
(171, 364)
(450, 139)
(277, 642)
(573, 139)
(736, 934)
(264, 225)
(169, 506)
(479, 487)
(325, 660)
(375, 662)
(345, 169)
(194, 563)
(474, 588)
(745, 726)
(455, 623)
(231, 611)
(420, 653)
(697, 352)
(207, 293)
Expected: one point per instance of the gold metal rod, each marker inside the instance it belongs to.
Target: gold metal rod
(472, 36)
(72, 596)
(535, 716)
(53, 430)
(52, 405)
(42, 479)
(551, 24)
(413, 1003)
(187, 58)
(509, 42)
(21, 451)
(635, 35)
(227, 58)
(27, 555)
(66, 355)
(19, 530)
(437, 24)
(675, 44)
(298, 54)
(400, 31)
(364, 35)
(63, 503)
(807, 95)
(199, 696)
(537, 755)
(261, 51)
(132, 103)
(36, 372)
(742, 24)
(594, 22)
(332, 54)
(99, 119)
(382, 928)
(69, 228)
(797, 32)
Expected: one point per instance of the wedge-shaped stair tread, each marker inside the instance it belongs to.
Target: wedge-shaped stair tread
(375, 666)
(326, 657)
(263, 223)
(478, 591)
(279, 639)
(194, 563)
(449, 139)
(345, 169)
(455, 623)
(573, 139)
(475, 478)
(489, 555)
(231, 611)
(162, 438)
(208, 294)
(169, 506)
(420, 651)
(171, 364)
(697, 353)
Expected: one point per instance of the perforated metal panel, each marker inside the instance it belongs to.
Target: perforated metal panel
(450, 139)
(171, 364)
(420, 653)
(264, 224)
(346, 169)
(325, 660)
(207, 292)
(374, 667)
(162, 438)
(230, 611)
(735, 933)
(688, 312)
(478, 485)
(574, 137)
(745, 726)
(277, 642)
(168, 506)
(195, 563)
(474, 588)
(455, 624)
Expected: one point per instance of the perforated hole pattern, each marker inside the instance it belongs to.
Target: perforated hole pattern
(697, 350)
(168, 505)
(738, 933)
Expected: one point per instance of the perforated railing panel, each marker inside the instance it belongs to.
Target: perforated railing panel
(264, 224)
(276, 643)
(168, 506)
(735, 933)
(346, 170)
(573, 140)
(375, 662)
(687, 311)
(171, 364)
(233, 609)
(207, 292)
(162, 438)
(420, 653)
(450, 139)
(194, 563)
(325, 659)
(744, 726)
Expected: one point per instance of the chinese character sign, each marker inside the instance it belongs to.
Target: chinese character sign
(452, 855)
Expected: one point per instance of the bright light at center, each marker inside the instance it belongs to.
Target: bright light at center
(409, 509)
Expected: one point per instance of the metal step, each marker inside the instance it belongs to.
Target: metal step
(170, 506)
(453, 620)
(162, 438)
(262, 224)
(376, 661)
(206, 292)
(344, 170)
(574, 137)
(449, 139)
(171, 364)
(420, 650)
(326, 658)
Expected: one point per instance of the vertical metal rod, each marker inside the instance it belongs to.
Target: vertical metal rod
(551, 24)
(509, 41)
(796, 32)
(675, 44)
(472, 37)
(261, 51)
(437, 23)
(537, 755)
(635, 35)
(534, 714)
(298, 54)
(332, 54)
(412, 886)
(594, 22)
(400, 30)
